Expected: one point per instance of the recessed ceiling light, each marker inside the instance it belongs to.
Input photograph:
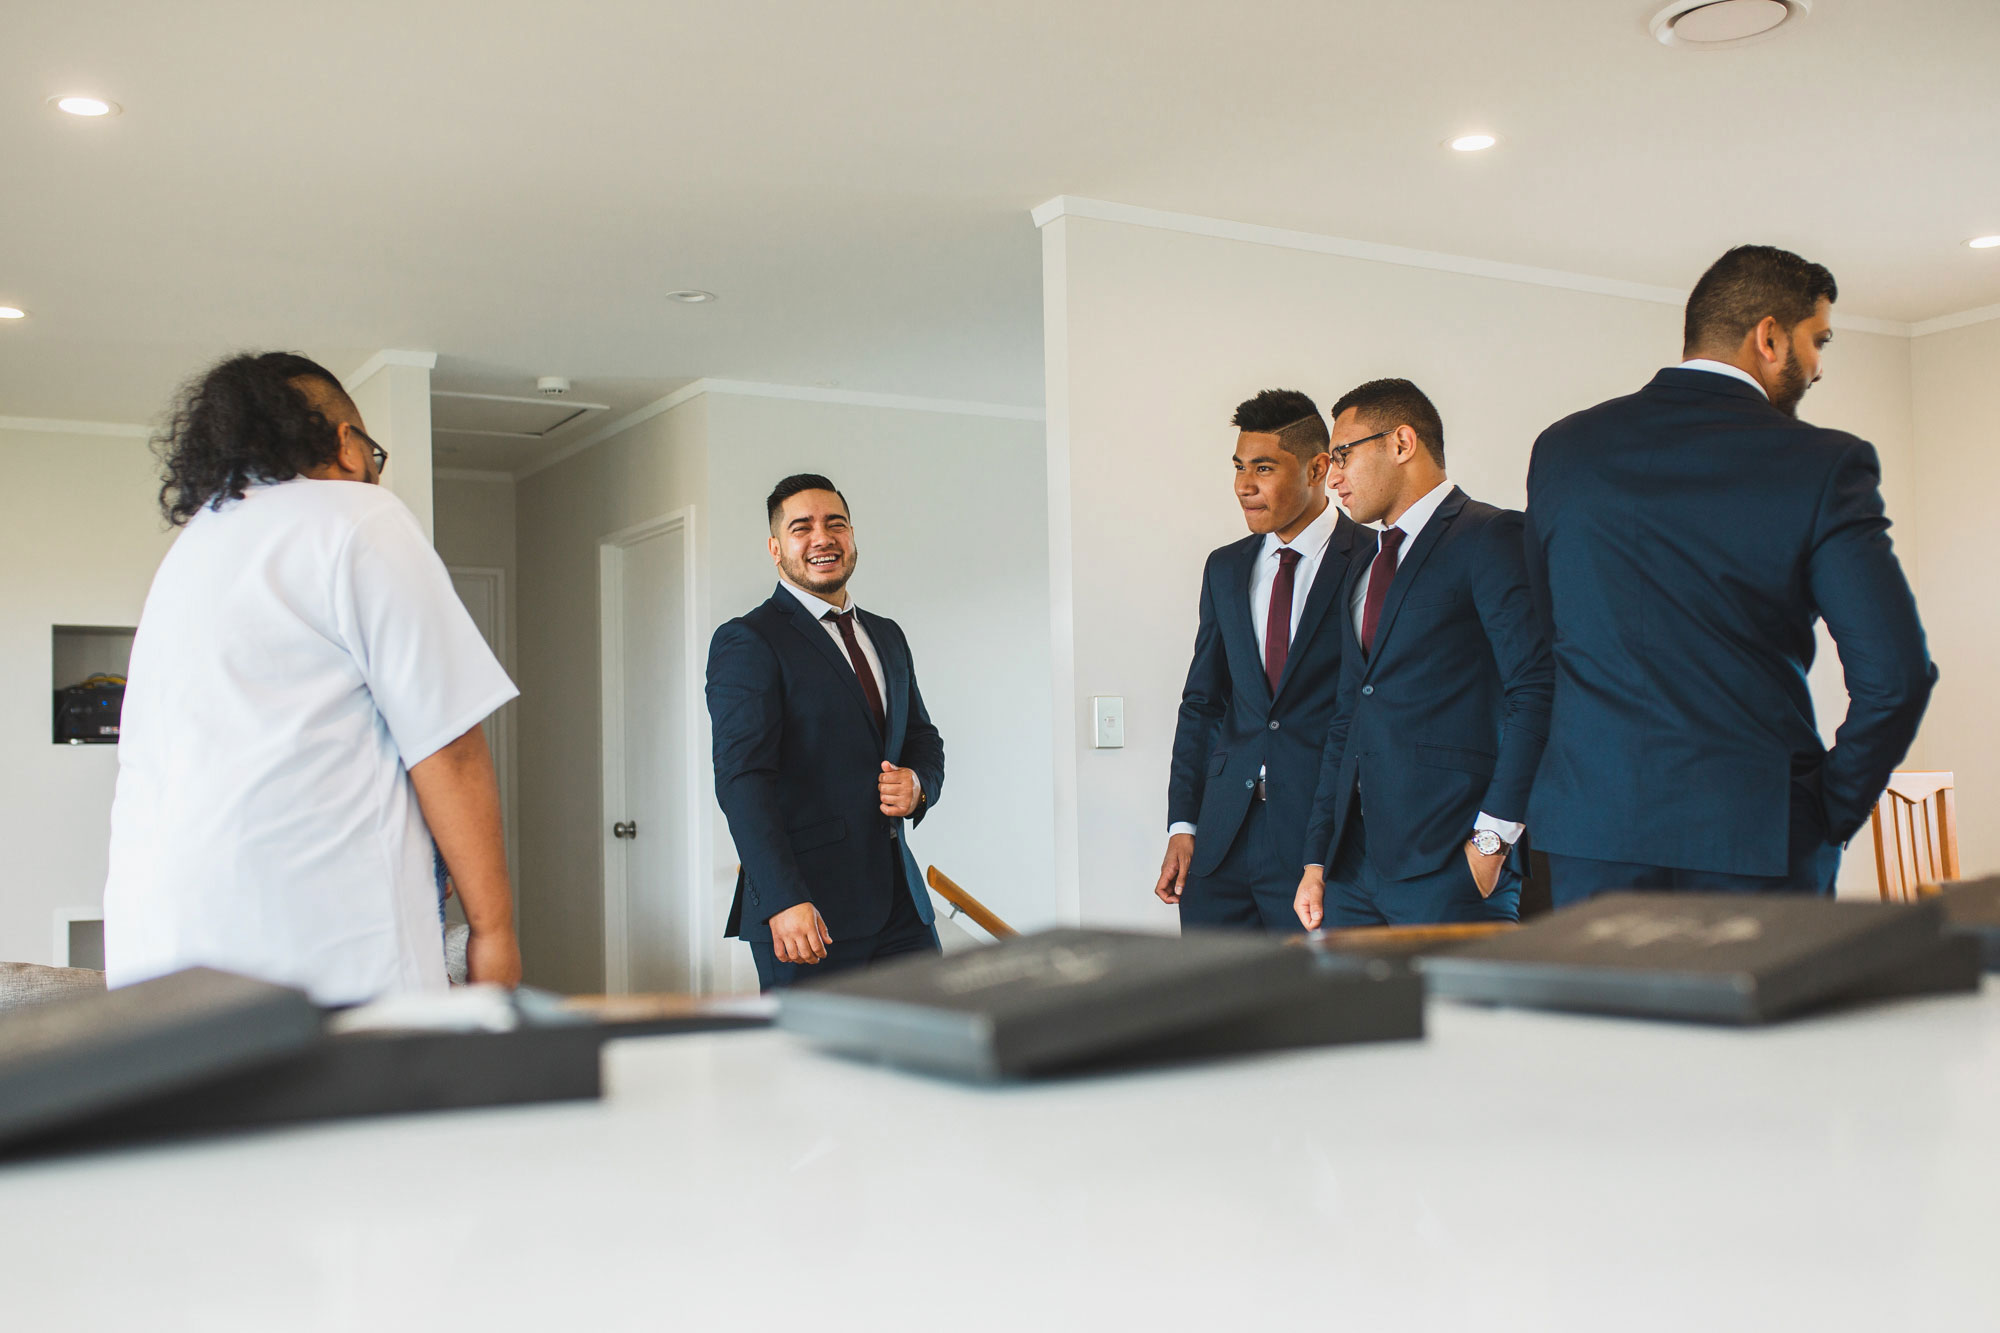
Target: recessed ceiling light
(1709, 25)
(1984, 242)
(12, 312)
(87, 107)
(1471, 143)
(691, 296)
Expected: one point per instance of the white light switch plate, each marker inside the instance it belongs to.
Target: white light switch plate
(1108, 721)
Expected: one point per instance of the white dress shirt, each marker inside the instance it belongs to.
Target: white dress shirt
(1311, 544)
(817, 607)
(1411, 524)
(1722, 368)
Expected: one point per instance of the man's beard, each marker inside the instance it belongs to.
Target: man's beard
(825, 582)
(1792, 386)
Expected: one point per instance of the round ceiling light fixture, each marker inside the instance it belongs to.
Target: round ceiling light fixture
(12, 312)
(1984, 242)
(1711, 25)
(691, 296)
(90, 108)
(1472, 143)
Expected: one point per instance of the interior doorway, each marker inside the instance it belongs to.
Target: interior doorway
(657, 921)
(484, 591)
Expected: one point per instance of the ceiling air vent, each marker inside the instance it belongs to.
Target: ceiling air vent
(504, 416)
(1711, 25)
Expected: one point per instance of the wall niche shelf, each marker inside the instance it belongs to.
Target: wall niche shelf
(79, 652)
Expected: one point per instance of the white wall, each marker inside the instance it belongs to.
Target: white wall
(79, 547)
(949, 513)
(1957, 411)
(1153, 336)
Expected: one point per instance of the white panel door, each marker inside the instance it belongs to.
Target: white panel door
(660, 948)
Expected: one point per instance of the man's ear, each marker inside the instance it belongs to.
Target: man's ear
(1772, 340)
(1317, 468)
(773, 543)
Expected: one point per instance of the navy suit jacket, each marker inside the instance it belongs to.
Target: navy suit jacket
(797, 756)
(1447, 717)
(1683, 540)
(1231, 725)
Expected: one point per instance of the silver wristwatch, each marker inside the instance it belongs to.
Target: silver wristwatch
(1487, 843)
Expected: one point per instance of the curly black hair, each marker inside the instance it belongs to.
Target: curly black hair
(244, 421)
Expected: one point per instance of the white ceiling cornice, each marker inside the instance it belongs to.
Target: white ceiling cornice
(1100, 210)
(59, 426)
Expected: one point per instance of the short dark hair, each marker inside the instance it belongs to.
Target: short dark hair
(1289, 415)
(1744, 286)
(1387, 404)
(245, 420)
(793, 485)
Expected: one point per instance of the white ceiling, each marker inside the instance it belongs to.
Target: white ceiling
(516, 184)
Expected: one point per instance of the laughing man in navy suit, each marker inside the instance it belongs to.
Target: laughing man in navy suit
(824, 757)
(1444, 694)
(1261, 688)
(1683, 540)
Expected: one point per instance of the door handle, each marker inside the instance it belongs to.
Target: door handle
(624, 829)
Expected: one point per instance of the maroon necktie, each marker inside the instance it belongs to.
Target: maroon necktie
(1278, 620)
(845, 619)
(1380, 575)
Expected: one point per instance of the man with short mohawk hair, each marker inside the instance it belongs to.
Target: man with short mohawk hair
(1260, 690)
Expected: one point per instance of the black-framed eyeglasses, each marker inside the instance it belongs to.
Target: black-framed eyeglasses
(381, 454)
(1341, 451)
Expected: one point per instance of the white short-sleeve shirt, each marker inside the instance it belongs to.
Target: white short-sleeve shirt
(301, 649)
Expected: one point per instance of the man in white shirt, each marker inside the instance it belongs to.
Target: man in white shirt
(301, 728)
(1444, 693)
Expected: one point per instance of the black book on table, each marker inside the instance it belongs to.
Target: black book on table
(1715, 957)
(1064, 1001)
(1972, 908)
(71, 1059)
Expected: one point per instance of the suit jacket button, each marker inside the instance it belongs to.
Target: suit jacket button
(1250, 784)
(1368, 689)
(1274, 726)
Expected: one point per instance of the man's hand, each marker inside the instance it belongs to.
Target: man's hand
(493, 958)
(898, 789)
(798, 935)
(1174, 869)
(1310, 901)
(1485, 869)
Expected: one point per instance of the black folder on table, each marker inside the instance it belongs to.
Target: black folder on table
(1066, 1000)
(1972, 909)
(72, 1059)
(1715, 957)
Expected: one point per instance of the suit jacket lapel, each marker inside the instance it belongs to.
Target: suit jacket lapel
(1235, 612)
(822, 642)
(1325, 591)
(895, 682)
(1409, 565)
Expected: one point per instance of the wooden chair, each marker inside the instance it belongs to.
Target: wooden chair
(964, 903)
(1916, 835)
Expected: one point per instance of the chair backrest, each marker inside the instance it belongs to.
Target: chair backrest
(1916, 835)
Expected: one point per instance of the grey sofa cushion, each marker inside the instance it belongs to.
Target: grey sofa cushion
(23, 984)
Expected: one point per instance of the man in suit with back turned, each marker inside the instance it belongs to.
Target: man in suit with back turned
(1260, 690)
(1683, 541)
(824, 757)
(1444, 691)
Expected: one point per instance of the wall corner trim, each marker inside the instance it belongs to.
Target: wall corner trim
(63, 426)
(1944, 323)
(1100, 210)
(388, 356)
(471, 474)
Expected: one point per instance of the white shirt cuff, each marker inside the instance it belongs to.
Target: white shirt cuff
(1509, 833)
(1182, 827)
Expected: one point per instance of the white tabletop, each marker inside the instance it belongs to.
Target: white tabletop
(1513, 1171)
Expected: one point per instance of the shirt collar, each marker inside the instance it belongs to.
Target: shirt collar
(815, 605)
(1723, 368)
(1312, 540)
(1413, 519)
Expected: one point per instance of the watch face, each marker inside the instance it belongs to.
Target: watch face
(1487, 841)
